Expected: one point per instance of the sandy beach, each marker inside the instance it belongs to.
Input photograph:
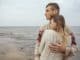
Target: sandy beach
(17, 43)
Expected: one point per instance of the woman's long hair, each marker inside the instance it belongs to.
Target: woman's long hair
(60, 21)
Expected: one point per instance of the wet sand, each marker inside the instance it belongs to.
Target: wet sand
(10, 51)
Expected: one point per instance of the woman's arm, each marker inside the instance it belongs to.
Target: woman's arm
(42, 45)
(37, 44)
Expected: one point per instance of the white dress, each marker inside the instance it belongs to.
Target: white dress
(42, 47)
(49, 36)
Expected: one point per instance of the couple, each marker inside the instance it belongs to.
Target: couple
(55, 40)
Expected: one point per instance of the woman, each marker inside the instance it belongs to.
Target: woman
(55, 35)
(52, 9)
(66, 50)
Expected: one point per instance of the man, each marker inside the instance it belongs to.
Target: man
(52, 10)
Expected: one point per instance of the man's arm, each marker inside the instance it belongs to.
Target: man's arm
(73, 39)
(71, 50)
(69, 31)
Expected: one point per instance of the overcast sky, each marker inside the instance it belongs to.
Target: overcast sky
(31, 12)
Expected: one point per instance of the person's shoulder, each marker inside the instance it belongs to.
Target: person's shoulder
(68, 28)
(43, 27)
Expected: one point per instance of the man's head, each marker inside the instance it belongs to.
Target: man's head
(52, 9)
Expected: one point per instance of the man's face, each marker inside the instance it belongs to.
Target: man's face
(50, 13)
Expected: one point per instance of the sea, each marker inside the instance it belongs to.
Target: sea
(17, 42)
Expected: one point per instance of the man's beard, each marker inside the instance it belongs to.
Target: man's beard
(52, 17)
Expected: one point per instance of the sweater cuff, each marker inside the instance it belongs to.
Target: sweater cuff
(70, 51)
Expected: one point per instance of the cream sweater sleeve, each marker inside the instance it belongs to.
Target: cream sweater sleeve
(42, 45)
(71, 49)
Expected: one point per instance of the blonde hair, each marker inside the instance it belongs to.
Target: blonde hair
(60, 21)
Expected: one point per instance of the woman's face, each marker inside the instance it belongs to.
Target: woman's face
(53, 24)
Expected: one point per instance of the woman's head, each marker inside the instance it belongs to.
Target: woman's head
(60, 22)
(60, 25)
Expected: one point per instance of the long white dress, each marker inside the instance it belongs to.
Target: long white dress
(49, 36)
